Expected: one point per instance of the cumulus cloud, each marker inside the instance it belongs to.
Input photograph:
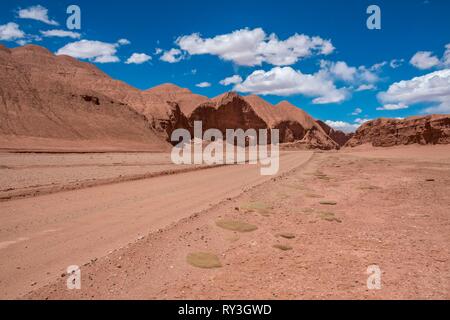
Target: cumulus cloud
(393, 106)
(357, 111)
(10, 32)
(424, 60)
(433, 88)
(365, 87)
(96, 51)
(172, 56)
(203, 85)
(346, 127)
(231, 80)
(138, 58)
(123, 42)
(61, 34)
(360, 121)
(38, 13)
(446, 57)
(339, 70)
(342, 125)
(362, 76)
(396, 63)
(253, 47)
(285, 81)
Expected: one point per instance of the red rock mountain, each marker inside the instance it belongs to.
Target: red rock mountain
(58, 102)
(431, 129)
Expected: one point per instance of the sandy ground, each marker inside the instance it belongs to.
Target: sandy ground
(30, 174)
(384, 207)
(41, 236)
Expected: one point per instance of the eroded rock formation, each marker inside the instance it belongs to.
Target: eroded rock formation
(430, 129)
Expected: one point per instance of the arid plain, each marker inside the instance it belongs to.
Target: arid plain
(309, 232)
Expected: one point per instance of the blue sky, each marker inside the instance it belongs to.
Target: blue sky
(319, 55)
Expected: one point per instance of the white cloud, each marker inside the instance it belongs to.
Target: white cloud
(123, 42)
(203, 85)
(431, 88)
(393, 106)
(10, 32)
(342, 125)
(378, 66)
(231, 80)
(357, 111)
(396, 63)
(346, 127)
(367, 75)
(446, 57)
(253, 47)
(365, 87)
(38, 13)
(360, 121)
(172, 56)
(138, 58)
(444, 107)
(340, 70)
(424, 60)
(158, 51)
(287, 81)
(96, 51)
(61, 34)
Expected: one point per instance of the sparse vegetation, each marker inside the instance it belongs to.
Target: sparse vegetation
(286, 235)
(234, 225)
(282, 247)
(258, 207)
(328, 202)
(314, 195)
(329, 216)
(369, 187)
(203, 260)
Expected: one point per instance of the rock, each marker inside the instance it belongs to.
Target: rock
(430, 129)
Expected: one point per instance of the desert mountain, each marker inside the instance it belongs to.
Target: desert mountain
(48, 99)
(50, 102)
(431, 129)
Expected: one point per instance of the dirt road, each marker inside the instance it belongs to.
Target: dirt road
(41, 236)
(311, 234)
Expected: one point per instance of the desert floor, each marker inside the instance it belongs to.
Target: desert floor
(336, 212)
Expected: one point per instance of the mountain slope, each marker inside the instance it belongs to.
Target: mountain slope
(45, 103)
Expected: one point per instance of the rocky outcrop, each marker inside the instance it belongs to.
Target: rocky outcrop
(431, 129)
(338, 136)
(228, 111)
